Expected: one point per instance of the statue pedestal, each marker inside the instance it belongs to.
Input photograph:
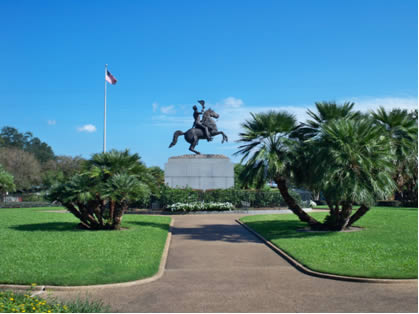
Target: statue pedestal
(200, 172)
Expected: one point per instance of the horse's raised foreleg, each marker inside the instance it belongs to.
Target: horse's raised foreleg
(225, 138)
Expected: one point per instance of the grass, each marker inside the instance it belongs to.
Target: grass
(11, 302)
(386, 248)
(46, 248)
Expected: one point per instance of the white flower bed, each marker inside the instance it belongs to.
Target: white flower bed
(194, 206)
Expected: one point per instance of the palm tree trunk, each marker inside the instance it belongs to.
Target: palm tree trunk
(345, 215)
(111, 210)
(292, 204)
(358, 214)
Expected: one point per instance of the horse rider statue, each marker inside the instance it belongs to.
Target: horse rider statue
(201, 129)
(197, 121)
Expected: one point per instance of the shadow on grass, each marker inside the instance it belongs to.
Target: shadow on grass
(49, 226)
(73, 227)
(284, 229)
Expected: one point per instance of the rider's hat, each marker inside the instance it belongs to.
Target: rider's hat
(202, 102)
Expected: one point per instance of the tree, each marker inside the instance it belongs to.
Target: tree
(12, 138)
(326, 111)
(6, 183)
(353, 165)
(100, 194)
(306, 131)
(24, 167)
(401, 128)
(268, 151)
(60, 169)
(348, 159)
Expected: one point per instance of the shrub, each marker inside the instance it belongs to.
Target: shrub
(392, 203)
(32, 197)
(11, 302)
(102, 192)
(195, 206)
(170, 196)
(256, 198)
(26, 204)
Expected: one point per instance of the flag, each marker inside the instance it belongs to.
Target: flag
(110, 78)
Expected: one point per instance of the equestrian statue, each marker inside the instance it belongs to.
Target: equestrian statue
(204, 128)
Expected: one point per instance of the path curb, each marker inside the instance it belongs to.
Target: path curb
(158, 275)
(310, 272)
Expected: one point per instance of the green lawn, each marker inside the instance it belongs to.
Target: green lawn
(386, 248)
(46, 248)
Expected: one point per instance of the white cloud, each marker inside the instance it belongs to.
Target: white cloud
(155, 106)
(52, 122)
(87, 128)
(369, 103)
(168, 109)
(231, 102)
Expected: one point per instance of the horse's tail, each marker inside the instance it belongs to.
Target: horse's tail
(175, 136)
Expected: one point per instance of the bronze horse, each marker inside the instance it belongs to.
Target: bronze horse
(193, 135)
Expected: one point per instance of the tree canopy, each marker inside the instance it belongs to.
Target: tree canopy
(11, 138)
(342, 153)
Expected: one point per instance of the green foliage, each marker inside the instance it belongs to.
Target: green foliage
(326, 111)
(401, 128)
(265, 146)
(6, 182)
(256, 198)
(25, 204)
(344, 154)
(33, 197)
(393, 203)
(201, 206)
(170, 196)
(101, 193)
(60, 169)
(354, 162)
(11, 302)
(12, 138)
(24, 167)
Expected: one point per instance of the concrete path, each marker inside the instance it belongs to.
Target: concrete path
(215, 265)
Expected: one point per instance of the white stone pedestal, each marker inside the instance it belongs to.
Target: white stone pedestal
(200, 172)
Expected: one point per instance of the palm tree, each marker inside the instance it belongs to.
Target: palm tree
(309, 130)
(268, 152)
(100, 194)
(326, 111)
(348, 159)
(79, 196)
(354, 165)
(121, 189)
(402, 129)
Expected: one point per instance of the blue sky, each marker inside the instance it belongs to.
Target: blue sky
(240, 56)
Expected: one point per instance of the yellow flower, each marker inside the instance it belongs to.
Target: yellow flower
(33, 285)
(11, 299)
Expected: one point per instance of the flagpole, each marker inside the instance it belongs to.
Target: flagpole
(104, 115)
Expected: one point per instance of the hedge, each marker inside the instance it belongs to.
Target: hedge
(26, 204)
(238, 197)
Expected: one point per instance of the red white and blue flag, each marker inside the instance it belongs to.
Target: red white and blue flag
(110, 78)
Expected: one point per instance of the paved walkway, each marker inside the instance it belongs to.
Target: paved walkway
(215, 265)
